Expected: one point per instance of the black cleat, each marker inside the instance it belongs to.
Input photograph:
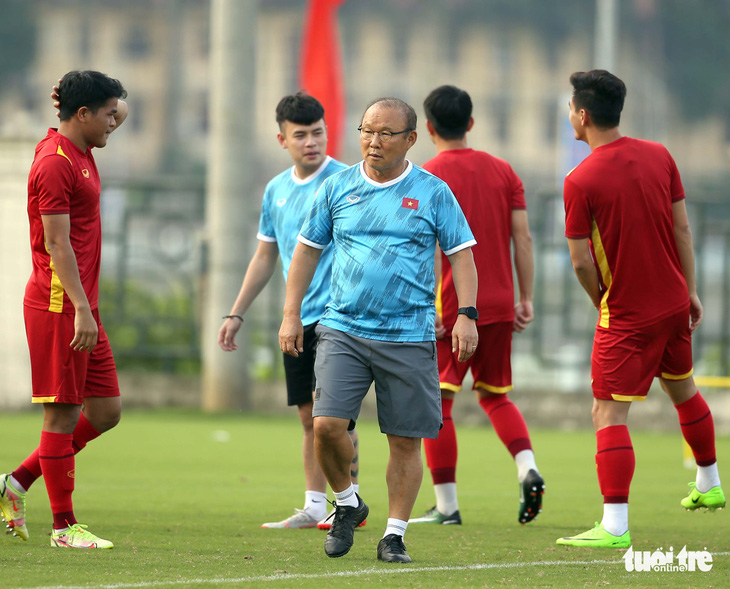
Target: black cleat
(340, 537)
(392, 549)
(531, 492)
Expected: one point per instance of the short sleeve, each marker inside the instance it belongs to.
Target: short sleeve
(518, 192)
(317, 228)
(267, 231)
(676, 189)
(54, 183)
(578, 218)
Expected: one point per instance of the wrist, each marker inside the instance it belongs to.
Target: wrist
(232, 316)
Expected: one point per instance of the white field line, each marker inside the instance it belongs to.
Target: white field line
(389, 570)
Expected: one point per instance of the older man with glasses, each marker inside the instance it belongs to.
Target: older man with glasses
(384, 217)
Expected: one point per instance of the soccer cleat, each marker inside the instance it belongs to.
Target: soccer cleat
(712, 500)
(392, 549)
(326, 523)
(340, 538)
(434, 516)
(532, 489)
(300, 519)
(77, 536)
(597, 537)
(12, 507)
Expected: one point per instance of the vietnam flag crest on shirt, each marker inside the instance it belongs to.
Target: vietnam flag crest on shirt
(410, 203)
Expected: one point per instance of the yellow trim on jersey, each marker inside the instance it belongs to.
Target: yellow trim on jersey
(44, 399)
(605, 272)
(59, 151)
(55, 305)
(628, 397)
(450, 387)
(439, 301)
(492, 389)
(667, 376)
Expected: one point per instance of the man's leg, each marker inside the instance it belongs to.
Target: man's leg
(441, 457)
(315, 496)
(57, 460)
(615, 463)
(98, 415)
(510, 426)
(335, 452)
(698, 429)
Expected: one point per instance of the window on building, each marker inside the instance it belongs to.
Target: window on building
(138, 42)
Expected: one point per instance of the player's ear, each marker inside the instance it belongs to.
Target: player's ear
(82, 113)
(471, 124)
(282, 140)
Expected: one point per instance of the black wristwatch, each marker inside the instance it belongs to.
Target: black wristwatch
(470, 312)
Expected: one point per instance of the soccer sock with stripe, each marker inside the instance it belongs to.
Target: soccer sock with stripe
(348, 497)
(615, 462)
(315, 504)
(507, 421)
(58, 466)
(30, 470)
(698, 428)
(396, 526)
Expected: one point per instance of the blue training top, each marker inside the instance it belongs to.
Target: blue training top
(384, 238)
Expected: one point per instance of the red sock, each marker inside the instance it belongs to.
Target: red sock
(698, 428)
(441, 453)
(615, 462)
(30, 471)
(508, 422)
(58, 463)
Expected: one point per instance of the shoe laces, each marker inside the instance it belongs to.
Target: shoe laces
(396, 544)
(81, 531)
(339, 520)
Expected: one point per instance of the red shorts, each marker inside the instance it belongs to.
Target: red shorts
(490, 365)
(625, 361)
(60, 374)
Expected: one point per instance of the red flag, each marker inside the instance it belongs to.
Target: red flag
(410, 203)
(321, 67)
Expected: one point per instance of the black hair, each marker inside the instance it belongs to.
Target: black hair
(448, 108)
(299, 108)
(86, 88)
(601, 94)
(396, 104)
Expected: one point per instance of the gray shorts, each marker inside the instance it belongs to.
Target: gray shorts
(405, 375)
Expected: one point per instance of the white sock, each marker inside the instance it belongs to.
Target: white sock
(525, 461)
(55, 531)
(616, 518)
(356, 486)
(21, 489)
(347, 497)
(446, 501)
(315, 503)
(707, 477)
(396, 526)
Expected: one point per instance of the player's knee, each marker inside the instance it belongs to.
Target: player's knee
(328, 429)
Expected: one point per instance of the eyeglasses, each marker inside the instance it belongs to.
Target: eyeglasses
(385, 136)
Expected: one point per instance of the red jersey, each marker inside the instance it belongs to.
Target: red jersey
(63, 181)
(620, 197)
(488, 190)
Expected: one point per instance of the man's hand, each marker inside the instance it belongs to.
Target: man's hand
(291, 335)
(227, 334)
(523, 316)
(695, 312)
(439, 325)
(56, 100)
(464, 337)
(86, 331)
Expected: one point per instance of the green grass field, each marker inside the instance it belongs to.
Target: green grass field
(184, 509)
